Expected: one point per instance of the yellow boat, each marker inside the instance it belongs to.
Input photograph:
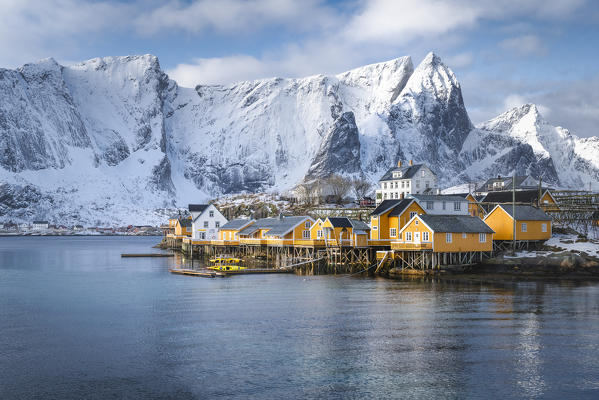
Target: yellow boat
(226, 264)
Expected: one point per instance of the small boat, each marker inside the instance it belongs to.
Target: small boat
(228, 264)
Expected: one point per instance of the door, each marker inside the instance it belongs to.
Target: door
(416, 237)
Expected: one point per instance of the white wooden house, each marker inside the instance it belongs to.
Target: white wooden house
(205, 221)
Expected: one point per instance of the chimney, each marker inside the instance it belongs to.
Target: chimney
(411, 163)
(399, 163)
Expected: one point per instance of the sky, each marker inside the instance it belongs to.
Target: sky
(504, 52)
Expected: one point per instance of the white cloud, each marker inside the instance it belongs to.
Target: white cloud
(234, 16)
(523, 45)
(460, 60)
(210, 71)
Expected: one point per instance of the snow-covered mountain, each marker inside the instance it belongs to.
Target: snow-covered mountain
(111, 140)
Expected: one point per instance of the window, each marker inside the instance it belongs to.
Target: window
(384, 185)
(385, 195)
(464, 235)
(422, 173)
(482, 237)
(211, 213)
(306, 234)
(448, 237)
(202, 235)
(412, 213)
(425, 236)
(543, 227)
(393, 232)
(319, 234)
(444, 205)
(457, 206)
(429, 205)
(307, 225)
(374, 228)
(524, 227)
(417, 184)
(427, 184)
(217, 224)
(416, 222)
(545, 201)
(403, 184)
(408, 236)
(205, 224)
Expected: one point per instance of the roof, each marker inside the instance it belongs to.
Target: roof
(340, 222)
(185, 222)
(595, 215)
(398, 209)
(407, 172)
(526, 213)
(455, 223)
(276, 226)
(236, 224)
(359, 225)
(438, 197)
(385, 206)
(505, 196)
(198, 207)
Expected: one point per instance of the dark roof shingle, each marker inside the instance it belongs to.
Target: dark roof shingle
(236, 224)
(526, 213)
(455, 223)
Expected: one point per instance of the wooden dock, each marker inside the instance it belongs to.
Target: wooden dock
(148, 255)
(259, 271)
(201, 274)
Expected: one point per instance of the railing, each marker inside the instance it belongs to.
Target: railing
(279, 242)
(411, 246)
(252, 241)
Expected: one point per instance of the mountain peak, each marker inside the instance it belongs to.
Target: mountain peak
(432, 59)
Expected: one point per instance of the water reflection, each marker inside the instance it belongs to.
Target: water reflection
(76, 321)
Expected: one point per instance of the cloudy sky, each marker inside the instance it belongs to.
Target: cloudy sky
(504, 52)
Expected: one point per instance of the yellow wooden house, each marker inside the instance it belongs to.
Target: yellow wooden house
(389, 218)
(338, 231)
(445, 234)
(523, 197)
(474, 207)
(229, 232)
(283, 230)
(531, 223)
(183, 226)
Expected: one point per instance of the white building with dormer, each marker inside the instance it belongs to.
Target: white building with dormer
(398, 182)
(205, 221)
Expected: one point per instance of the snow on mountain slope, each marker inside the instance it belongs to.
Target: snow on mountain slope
(112, 140)
(429, 120)
(547, 151)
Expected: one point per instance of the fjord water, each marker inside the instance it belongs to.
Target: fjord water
(77, 321)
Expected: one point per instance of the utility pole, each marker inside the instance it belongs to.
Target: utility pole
(514, 211)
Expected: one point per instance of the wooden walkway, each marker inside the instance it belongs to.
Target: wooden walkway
(148, 255)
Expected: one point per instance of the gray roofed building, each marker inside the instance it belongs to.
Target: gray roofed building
(385, 206)
(455, 223)
(358, 225)
(276, 226)
(525, 213)
(407, 172)
(197, 207)
(437, 197)
(236, 224)
(340, 222)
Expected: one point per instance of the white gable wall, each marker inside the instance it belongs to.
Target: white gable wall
(204, 225)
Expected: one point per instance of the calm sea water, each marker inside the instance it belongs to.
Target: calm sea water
(77, 321)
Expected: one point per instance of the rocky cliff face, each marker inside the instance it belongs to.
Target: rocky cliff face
(112, 140)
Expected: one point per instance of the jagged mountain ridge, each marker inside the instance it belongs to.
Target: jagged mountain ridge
(110, 140)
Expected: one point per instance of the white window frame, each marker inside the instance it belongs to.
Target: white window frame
(217, 224)
(307, 224)
(448, 237)
(205, 224)
(413, 214)
(457, 206)
(211, 213)
(464, 235)
(415, 222)
(319, 234)
(408, 236)
(305, 234)
(524, 227)
(544, 227)
(430, 205)
(425, 237)
(392, 232)
(482, 238)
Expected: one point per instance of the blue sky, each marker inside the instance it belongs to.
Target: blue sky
(504, 52)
